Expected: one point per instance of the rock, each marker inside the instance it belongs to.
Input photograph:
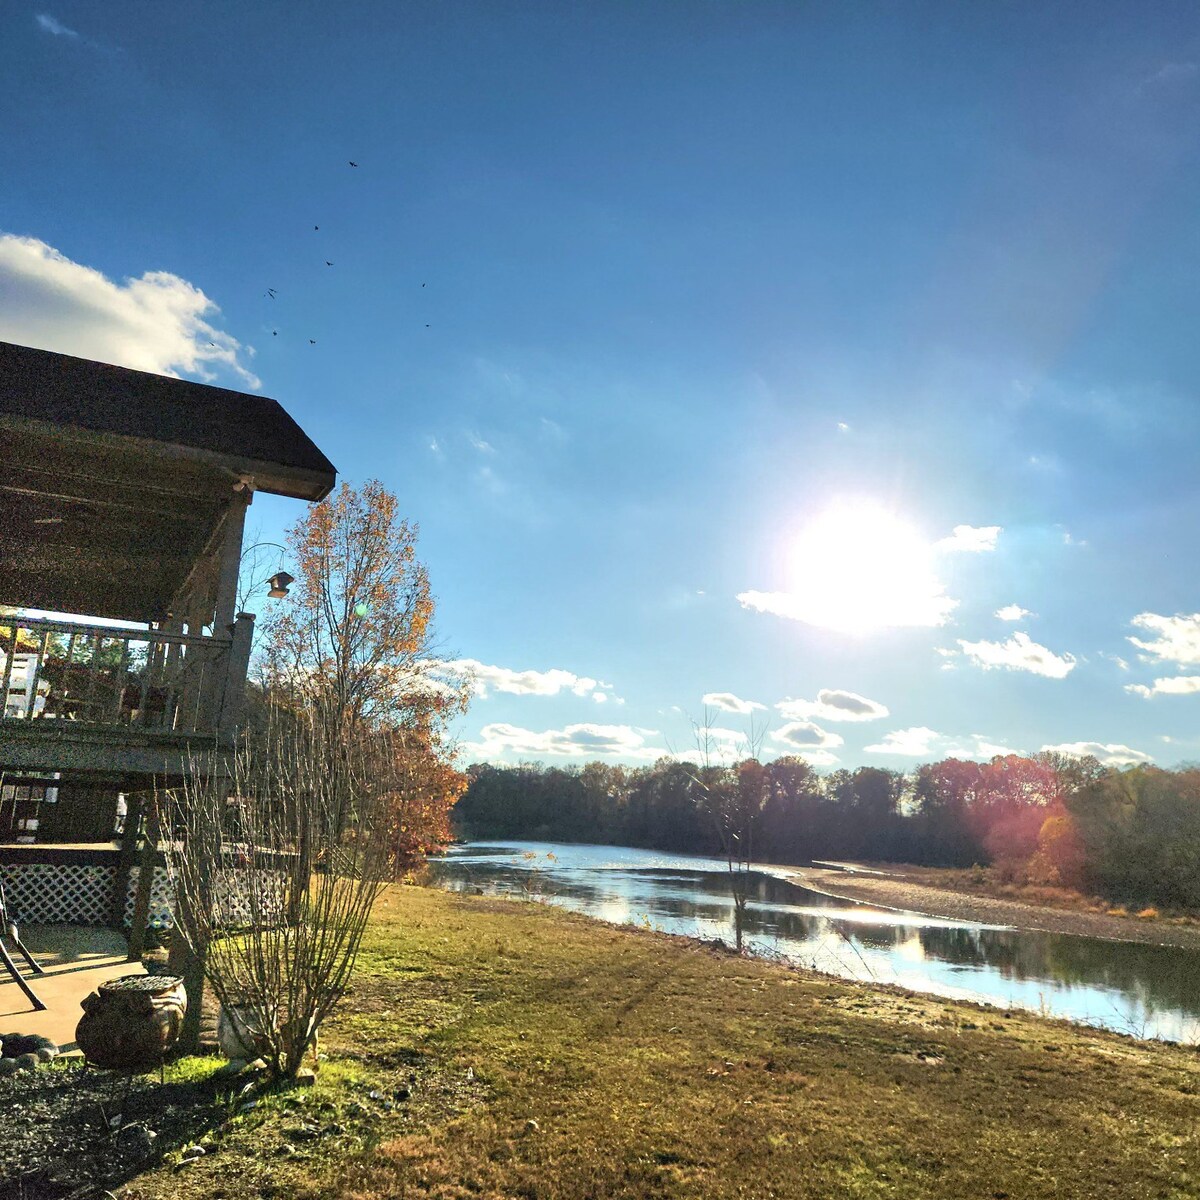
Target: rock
(401, 1093)
(354, 1109)
(531, 1126)
(287, 1150)
(302, 1133)
(17, 1044)
(192, 1152)
(140, 1138)
(305, 1077)
(249, 1106)
(47, 1053)
(27, 1062)
(8, 1066)
(374, 1095)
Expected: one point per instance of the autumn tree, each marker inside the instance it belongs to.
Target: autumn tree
(355, 645)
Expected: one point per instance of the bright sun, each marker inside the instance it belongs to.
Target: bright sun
(858, 567)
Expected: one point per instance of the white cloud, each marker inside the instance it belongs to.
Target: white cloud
(920, 741)
(814, 758)
(728, 702)
(50, 25)
(833, 705)
(843, 427)
(914, 742)
(1019, 653)
(805, 735)
(923, 605)
(573, 741)
(155, 323)
(526, 683)
(1012, 612)
(478, 443)
(1109, 755)
(970, 539)
(1177, 641)
(1173, 685)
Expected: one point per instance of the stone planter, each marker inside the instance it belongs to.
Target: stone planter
(237, 1034)
(131, 1022)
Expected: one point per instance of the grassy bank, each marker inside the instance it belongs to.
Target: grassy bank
(498, 1048)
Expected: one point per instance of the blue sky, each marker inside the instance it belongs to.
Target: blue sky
(686, 331)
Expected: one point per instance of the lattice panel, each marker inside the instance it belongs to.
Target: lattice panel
(230, 900)
(162, 899)
(41, 893)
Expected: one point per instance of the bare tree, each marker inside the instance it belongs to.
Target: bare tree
(274, 887)
(734, 797)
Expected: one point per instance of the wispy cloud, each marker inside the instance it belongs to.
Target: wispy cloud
(728, 702)
(1177, 638)
(970, 539)
(57, 28)
(584, 740)
(919, 741)
(1019, 653)
(1110, 755)
(1172, 685)
(158, 322)
(479, 444)
(485, 678)
(833, 705)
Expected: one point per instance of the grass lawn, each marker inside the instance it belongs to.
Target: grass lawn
(504, 1049)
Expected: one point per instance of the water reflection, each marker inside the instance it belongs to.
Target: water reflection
(1150, 991)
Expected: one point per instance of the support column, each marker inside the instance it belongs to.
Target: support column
(129, 843)
(231, 558)
(146, 869)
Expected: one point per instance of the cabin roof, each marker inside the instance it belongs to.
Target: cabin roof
(242, 433)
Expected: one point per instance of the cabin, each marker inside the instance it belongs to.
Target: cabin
(123, 501)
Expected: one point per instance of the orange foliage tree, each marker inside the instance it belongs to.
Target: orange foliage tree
(355, 645)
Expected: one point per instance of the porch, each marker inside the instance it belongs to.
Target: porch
(76, 959)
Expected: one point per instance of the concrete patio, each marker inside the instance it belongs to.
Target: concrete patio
(77, 959)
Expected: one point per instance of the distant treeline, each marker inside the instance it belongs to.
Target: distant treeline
(1131, 835)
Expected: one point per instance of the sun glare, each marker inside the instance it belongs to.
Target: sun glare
(858, 568)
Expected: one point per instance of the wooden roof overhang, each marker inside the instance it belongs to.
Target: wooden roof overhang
(115, 484)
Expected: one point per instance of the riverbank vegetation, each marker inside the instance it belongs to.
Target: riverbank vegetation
(502, 1048)
(1130, 837)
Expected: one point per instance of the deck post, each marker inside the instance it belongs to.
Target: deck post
(188, 964)
(237, 664)
(145, 884)
(129, 842)
(231, 557)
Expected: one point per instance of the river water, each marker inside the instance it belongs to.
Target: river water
(1147, 991)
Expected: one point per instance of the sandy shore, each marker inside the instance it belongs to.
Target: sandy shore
(891, 891)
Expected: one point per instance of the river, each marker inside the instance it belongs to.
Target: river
(1146, 991)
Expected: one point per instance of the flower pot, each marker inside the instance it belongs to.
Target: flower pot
(130, 1023)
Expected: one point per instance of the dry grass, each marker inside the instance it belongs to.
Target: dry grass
(548, 1056)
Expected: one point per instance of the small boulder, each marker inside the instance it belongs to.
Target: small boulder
(27, 1062)
(8, 1066)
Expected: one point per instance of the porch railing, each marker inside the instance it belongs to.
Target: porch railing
(111, 678)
